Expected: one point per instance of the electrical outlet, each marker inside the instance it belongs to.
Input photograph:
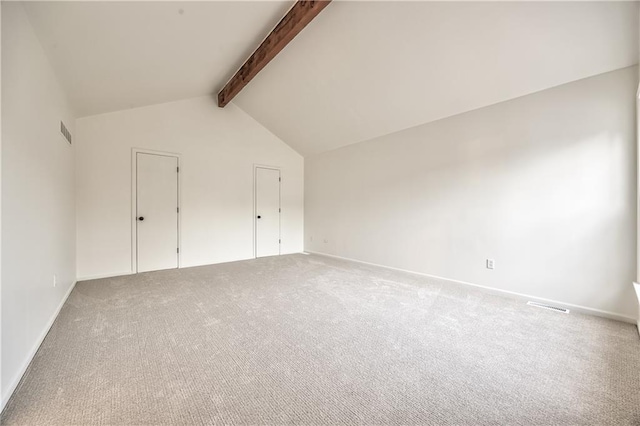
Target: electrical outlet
(491, 264)
(55, 280)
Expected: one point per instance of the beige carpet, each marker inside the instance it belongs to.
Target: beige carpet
(313, 340)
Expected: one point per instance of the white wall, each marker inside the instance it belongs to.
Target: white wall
(636, 285)
(219, 148)
(544, 184)
(38, 186)
(1, 393)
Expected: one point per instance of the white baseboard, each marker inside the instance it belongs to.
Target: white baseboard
(637, 287)
(100, 276)
(34, 349)
(493, 290)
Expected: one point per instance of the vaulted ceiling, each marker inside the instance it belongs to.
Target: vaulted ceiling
(358, 71)
(114, 55)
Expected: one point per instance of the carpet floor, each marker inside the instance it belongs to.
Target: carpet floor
(315, 340)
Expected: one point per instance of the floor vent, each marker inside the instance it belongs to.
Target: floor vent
(549, 307)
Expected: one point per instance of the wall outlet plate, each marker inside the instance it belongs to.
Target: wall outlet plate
(491, 264)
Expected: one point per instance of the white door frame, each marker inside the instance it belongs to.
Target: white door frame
(255, 207)
(134, 198)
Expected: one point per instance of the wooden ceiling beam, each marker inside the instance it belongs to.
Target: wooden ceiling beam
(298, 17)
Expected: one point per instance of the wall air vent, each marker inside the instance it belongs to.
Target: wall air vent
(65, 132)
(549, 307)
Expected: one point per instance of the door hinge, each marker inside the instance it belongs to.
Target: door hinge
(178, 250)
(178, 209)
(279, 179)
(279, 241)
(177, 169)
(279, 210)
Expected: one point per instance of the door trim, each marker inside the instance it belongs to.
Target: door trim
(255, 207)
(134, 198)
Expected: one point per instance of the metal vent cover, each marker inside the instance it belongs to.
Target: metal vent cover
(549, 307)
(65, 132)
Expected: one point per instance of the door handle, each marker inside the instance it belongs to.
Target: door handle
(259, 217)
(141, 218)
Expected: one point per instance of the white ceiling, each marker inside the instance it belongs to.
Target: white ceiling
(358, 71)
(117, 55)
(362, 70)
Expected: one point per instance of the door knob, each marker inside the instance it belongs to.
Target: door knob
(141, 218)
(259, 217)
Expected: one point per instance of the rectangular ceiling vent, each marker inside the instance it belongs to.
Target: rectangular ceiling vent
(65, 132)
(549, 307)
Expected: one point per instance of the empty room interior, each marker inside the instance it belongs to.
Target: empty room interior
(319, 212)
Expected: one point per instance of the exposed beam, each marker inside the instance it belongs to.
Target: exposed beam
(293, 22)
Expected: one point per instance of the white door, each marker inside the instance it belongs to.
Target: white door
(267, 212)
(156, 212)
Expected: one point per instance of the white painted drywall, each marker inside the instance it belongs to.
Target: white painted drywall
(38, 191)
(1, 394)
(544, 184)
(218, 148)
(635, 284)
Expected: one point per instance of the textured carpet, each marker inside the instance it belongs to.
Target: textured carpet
(314, 340)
